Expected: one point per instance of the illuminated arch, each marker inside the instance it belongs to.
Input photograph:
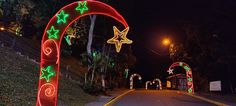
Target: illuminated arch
(159, 83)
(51, 41)
(146, 84)
(189, 75)
(131, 79)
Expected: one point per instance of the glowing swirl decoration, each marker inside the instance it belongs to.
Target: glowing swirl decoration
(48, 91)
(159, 83)
(131, 79)
(189, 74)
(54, 34)
(146, 84)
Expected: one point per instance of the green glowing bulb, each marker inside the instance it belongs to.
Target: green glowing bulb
(52, 33)
(82, 6)
(186, 68)
(190, 79)
(190, 90)
(47, 73)
(61, 17)
(94, 54)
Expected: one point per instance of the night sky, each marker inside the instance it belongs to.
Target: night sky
(152, 20)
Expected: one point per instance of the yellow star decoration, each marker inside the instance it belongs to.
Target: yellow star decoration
(119, 38)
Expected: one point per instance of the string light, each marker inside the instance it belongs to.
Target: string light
(82, 6)
(68, 40)
(47, 73)
(61, 18)
(131, 79)
(119, 38)
(52, 33)
(146, 84)
(159, 81)
(170, 71)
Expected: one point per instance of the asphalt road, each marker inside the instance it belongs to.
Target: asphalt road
(158, 98)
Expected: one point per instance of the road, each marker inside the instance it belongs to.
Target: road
(158, 98)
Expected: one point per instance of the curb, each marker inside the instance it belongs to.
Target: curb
(206, 99)
(117, 98)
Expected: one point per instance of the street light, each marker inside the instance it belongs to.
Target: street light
(2, 28)
(166, 42)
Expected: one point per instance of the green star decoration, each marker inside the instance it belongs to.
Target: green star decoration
(47, 73)
(190, 79)
(190, 90)
(61, 17)
(186, 68)
(82, 6)
(52, 33)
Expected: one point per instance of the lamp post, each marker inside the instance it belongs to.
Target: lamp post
(167, 42)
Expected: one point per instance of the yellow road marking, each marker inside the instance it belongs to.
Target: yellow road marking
(117, 98)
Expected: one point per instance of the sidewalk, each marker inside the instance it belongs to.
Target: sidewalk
(218, 99)
(104, 99)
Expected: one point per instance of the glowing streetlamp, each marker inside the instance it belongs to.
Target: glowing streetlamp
(2, 28)
(166, 42)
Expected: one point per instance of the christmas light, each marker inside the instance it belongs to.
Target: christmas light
(82, 6)
(61, 18)
(119, 38)
(186, 68)
(170, 71)
(126, 73)
(52, 33)
(47, 51)
(47, 90)
(68, 40)
(146, 84)
(47, 73)
(159, 81)
(189, 75)
(131, 79)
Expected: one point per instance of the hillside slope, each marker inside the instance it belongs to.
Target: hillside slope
(19, 81)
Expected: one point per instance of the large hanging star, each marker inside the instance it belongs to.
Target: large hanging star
(119, 38)
(52, 33)
(170, 71)
(61, 17)
(47, 73)
(82, 6)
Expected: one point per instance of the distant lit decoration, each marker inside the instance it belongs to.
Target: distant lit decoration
(52, 33)
(82, 6)
(131, 79)
(68, 40)
(189, 74)
(47, 73)
(126, 73)
(168, 84)
(61, 17)
(51, 42)
(159, 85)
(146, 84)
(119, 38)
(170, 71)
